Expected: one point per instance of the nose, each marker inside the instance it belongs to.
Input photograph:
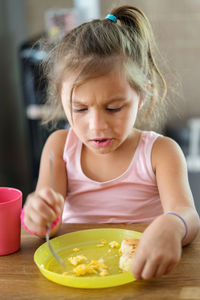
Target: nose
(97, 120)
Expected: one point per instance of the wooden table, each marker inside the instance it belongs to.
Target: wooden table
(21, 279)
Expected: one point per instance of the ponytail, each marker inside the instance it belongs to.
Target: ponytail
(134, 20)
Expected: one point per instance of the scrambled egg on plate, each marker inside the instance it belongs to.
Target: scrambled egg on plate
(94, 266)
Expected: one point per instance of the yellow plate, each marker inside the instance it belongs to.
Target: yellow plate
(86, 241)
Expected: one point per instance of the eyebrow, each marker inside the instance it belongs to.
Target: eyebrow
(110, 101)
(116, 99)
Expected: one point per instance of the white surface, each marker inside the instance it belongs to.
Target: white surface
(88, 9)
(193, 159)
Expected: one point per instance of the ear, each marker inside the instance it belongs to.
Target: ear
(148, 85)
(143, 98)
(141, 102)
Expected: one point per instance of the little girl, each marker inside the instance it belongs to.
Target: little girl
(105, 170)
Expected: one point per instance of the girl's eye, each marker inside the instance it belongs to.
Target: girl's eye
(79, 109)
(114, 109)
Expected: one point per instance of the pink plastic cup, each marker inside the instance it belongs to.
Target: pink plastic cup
(10, 225)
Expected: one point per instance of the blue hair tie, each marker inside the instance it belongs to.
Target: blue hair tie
(112, 18)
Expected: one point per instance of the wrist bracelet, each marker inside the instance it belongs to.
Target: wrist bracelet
(33, 232)
(182, 219)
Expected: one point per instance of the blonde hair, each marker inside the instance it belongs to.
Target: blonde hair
(94, 47)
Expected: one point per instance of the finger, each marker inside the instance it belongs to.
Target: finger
(60, 204)
(53, 199)
(48, 195)
(170, 268)
(34, 223)
(35, 228)
(39, 208)
(149, 270)
(43, 217)
(161, 269)
(137, 268)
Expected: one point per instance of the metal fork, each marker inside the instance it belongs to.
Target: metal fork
(61, 262)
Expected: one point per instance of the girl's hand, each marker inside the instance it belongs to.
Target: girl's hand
(41, 208)
(159, 250)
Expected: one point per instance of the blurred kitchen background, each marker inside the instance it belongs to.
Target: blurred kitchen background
(22, 87)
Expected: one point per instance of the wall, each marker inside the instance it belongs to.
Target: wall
(35, 11)
(176, 25)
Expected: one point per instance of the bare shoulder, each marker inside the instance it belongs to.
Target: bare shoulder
(56, 142)
(58, 136)
(165, 143)
(167, 152)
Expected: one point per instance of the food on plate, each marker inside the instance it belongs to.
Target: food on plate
(94, 267)
(125, 254)
(75, 260)
(127, 251)
(100, 245)
(114, 244)
(76, 249)
(103, 242)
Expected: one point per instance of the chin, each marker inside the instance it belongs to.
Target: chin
(100, 151)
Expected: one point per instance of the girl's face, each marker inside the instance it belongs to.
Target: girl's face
(104, 110)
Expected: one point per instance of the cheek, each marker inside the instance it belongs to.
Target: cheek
(133, 112)
(80, 123)
(129, 117)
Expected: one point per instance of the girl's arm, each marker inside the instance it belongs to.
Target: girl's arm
(170, 168)
(46, 204)
(161, 244)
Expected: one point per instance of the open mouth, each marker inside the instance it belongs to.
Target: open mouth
(100, 140)
(104, 142)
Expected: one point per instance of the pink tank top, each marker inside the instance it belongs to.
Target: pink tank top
(132, 197)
